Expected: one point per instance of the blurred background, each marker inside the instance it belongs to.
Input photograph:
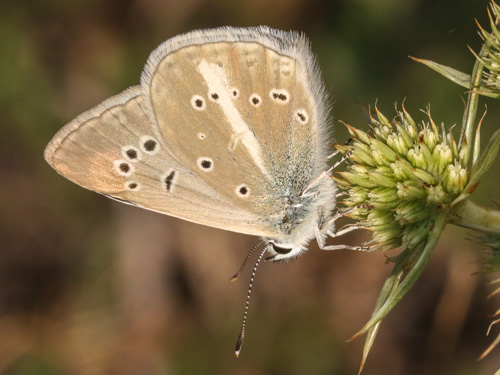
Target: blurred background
(89, 286)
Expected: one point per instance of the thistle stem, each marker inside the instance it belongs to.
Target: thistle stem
(466, 137)
(473, 216)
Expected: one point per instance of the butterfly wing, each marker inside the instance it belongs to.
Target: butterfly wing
(227, 130)
(113, 150)
(243, 109)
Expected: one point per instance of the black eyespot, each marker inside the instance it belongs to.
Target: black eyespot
(206, 164)
(124, 167)
(279, 96)
(131, 153)
(281, 250)
(302, 116)
(150, 145)
(235, 93)
(198, 102)
(243, 190)
(255, 100)
(169, 179)
(215, 96)
(132, 185)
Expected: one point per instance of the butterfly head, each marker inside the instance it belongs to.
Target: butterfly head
(283, 252)
(290, 246)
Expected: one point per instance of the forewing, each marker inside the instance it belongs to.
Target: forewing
(244, 108)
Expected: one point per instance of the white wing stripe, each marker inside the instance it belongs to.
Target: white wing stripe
(217, 82)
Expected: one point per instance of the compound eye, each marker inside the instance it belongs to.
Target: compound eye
(281, 250)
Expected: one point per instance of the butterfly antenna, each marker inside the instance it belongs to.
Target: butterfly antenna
(241, 337)
(237, 274)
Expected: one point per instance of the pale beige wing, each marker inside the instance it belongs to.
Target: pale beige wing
(113, 150)
(244, 108)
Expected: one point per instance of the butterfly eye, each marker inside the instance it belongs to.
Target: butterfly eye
(280, 250)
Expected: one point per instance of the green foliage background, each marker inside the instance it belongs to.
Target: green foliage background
(89, 286)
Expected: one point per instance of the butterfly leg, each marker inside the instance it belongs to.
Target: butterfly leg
(346, 247)
(337, 151)
(325, 225)
(321, 239)
(325, 173)
(326, 229)
(315, 181)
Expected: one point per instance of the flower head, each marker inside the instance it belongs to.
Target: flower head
(491, 57)
(406, 173)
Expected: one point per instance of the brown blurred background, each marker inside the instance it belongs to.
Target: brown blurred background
(89, 286)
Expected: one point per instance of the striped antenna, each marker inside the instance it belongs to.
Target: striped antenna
(241, 337)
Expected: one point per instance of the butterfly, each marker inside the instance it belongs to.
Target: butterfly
(228, 128)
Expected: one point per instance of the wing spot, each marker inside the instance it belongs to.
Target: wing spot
(149, 145)
(279, 96)
(235, 92)
(243, 190)
(201, 136)
(198, 103)
(251, 62)
(131, 153)
(214, 96)
(132, 186)
(123, 167)
(302, 116)
(255, 100)
(169, 180)
(205, 164)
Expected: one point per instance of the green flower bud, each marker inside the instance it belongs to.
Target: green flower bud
(441, 156)
(436, 195)
(405, 174)
(455, 178)
(409, 190)
(402, 170)
(424, 176)
(417, 157)
(428, 137)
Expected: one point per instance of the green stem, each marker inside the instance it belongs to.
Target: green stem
(472, 216)
(415, 269)
(466, 139)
